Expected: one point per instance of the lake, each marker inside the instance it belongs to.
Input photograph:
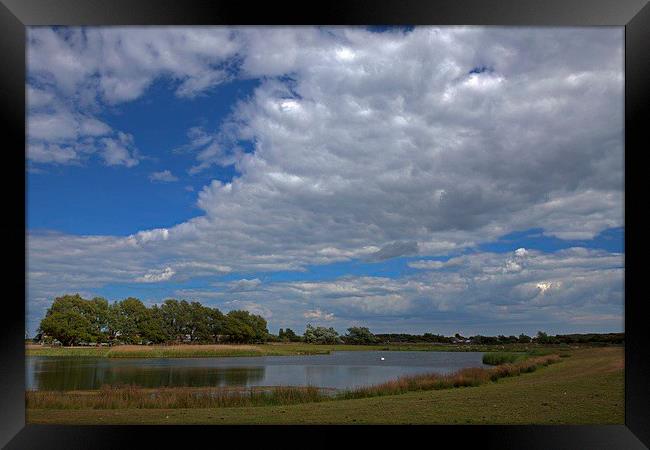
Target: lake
(338, 370)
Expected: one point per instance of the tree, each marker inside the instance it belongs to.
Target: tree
(524, 339)
(170, 311)
(359, 335)
(216, 324)
(321, 335)
(242, 326)
(128, 318)
(198, 327)
(291, 336)
(542, 338)
(153, 327)
(97, 313)
(68, 320)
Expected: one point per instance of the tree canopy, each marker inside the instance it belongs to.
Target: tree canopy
(72, 319)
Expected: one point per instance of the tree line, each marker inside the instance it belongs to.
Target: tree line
(72, 320)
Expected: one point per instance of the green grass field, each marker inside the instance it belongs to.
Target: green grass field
(586, 388)
(275, 349)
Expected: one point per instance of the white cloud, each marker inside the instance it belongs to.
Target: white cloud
(164, 176)
(377, 145)
(156, 276)
(120, 151)
(317, 314)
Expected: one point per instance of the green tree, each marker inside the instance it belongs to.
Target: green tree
(524, 339)
(153, 327)
(321, 335)
(68, 320)
(542, 338)
(172, 322)
(359, 335)
(291, 336)
(216, 324)
(242, 326)
(97, 311)
(197, 325)
(128, 318)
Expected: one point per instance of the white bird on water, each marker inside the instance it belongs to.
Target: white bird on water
(382, 358)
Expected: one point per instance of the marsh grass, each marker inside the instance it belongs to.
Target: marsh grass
(270, 349)
(496, 358)
(176, 351)
(462, 378)
(124, 397)
(183, 351)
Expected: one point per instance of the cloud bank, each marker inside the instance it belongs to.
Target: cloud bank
(365, 146)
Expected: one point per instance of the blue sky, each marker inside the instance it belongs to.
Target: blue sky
(418, 179)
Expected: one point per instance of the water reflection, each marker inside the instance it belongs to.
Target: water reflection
(70, 374)
(337, 370)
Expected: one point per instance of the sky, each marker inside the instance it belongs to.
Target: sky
(420, 179)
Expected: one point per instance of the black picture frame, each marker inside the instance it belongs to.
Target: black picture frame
(15, 15)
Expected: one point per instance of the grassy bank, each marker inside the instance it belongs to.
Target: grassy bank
(275, 349)
(134, 397)
(586, 388)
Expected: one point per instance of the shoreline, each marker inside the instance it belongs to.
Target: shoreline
(274, 349)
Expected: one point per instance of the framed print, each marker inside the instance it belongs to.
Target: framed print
(419, 217)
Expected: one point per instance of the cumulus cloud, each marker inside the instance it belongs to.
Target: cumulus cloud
(553, 291)
(156, 276)
(164, 176)
(119, 152)
(364, 146)
(74, 72)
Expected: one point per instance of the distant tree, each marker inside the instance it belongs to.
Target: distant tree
(359, 335)
(524, 339)
(541, 338)
(291, 336)
(321, 335)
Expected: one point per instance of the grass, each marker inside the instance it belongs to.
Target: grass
(496, 358)
(587, 388)
(175, 351)
(269, 349)
(121, 397)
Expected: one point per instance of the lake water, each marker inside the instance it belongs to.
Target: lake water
(337, 370)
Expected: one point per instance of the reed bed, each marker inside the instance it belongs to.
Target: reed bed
(183, 351)
(462, 378)
(177, 351)
(496, 358)
(124, 397)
